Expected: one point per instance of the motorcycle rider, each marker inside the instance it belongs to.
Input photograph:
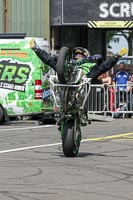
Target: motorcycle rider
(92, 68)
(81, 57)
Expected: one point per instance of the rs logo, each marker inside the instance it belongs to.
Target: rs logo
(14, 72)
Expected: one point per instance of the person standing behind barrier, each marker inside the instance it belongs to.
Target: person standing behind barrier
(130, 115)
(106, 79)
(121, 81)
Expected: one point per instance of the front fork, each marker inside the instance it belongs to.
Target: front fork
(69, 114)
(77, 132)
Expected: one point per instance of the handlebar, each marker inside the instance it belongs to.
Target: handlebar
(53, 77)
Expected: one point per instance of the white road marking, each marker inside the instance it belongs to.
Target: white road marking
(117, 136)
(30, 147)
(25, 128)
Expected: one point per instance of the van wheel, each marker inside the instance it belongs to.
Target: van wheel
(1, 115)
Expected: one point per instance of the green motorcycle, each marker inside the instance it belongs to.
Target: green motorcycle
(70, 89)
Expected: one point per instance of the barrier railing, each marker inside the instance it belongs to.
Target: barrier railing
(96, 99)
(111, 99)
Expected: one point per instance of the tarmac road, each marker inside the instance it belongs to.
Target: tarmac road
(33, 167)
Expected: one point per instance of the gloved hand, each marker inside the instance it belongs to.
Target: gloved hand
(121, 53)
(34, 45)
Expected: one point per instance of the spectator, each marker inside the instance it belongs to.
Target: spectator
(106, 79)
(132, 78)
(121, 80)
(131, 97)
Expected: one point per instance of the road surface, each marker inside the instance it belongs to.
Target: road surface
(33, 167)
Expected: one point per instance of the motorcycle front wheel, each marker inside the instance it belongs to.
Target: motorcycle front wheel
(62, 64)
(71, 138)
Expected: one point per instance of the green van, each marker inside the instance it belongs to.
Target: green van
(24, 79)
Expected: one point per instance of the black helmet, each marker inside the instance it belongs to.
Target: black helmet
(80, 50)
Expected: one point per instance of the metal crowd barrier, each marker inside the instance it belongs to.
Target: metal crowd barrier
(109, 99)
(96, 99)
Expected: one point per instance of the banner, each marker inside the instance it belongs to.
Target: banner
(84, 12)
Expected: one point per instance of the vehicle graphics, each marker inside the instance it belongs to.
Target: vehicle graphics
(23, 79)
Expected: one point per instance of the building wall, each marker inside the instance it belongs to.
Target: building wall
(2, 16)
(29, 16)
(75, 34)
(97, 41)
(56, 12)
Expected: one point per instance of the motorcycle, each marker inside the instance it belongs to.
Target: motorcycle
(70, 90)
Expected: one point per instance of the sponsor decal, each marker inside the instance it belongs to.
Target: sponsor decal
(13, 53)
(13, 75)
(46, 93)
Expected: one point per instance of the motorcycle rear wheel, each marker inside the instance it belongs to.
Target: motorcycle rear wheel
(62, 65)
(70, 140)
